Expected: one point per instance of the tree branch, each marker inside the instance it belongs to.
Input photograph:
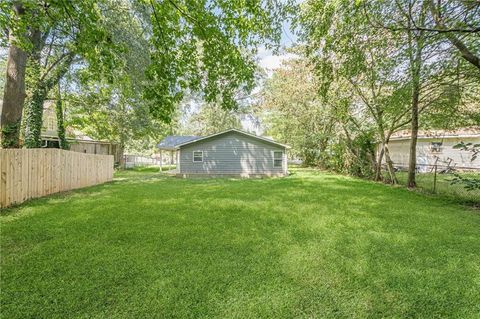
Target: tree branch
(44, 75)
(464, 51)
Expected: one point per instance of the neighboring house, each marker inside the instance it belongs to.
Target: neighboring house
(436, 147)
(77, 141)
(229, 153)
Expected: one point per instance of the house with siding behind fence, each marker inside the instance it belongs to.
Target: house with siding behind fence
(78, 142)
(436, 147)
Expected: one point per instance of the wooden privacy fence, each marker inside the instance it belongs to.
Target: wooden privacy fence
(31, 173)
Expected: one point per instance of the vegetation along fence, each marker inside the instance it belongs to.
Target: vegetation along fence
(31, 173)
(448, 180)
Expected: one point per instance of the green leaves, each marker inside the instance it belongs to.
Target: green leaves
(211, 118)
(146, 53)
(469, 183)
(469, 147)
(208, 47)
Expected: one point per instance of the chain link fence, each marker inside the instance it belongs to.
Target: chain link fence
(139, 160)
(441, 179)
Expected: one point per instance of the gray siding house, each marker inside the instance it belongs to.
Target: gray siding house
(230, 153)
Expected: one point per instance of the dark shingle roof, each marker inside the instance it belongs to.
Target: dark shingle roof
(169, 142)
(201, 138)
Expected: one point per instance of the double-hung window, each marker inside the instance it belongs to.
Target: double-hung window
(277, 159)
(198, 156)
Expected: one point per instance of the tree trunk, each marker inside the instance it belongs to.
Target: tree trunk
(13, 97)
(378, 168)
(416, 44)
(60, 123)
(34, 117)
(384, 152)
(412, 161)
(390, 168)
(34, 110)
(14, 92)
(373, 164)
(121, 159)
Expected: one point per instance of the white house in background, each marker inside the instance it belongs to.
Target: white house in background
(436, 146)
(229, 153)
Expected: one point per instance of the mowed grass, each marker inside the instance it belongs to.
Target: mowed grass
(444, 187)
(309, 245)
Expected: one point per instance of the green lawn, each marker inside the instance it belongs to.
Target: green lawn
(444, 186)
(310, 245)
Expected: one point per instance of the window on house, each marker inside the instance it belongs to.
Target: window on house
(51, 124)
(277, 159)
(436, 147)
(198, 156)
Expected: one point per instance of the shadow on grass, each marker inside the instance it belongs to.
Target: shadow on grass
(308, 245)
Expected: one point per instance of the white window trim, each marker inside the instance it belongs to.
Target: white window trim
(281, 158)
(193, 156)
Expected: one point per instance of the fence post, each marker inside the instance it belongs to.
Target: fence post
(161, 161)
(435, 178)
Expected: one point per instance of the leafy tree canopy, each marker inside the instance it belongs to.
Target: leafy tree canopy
(150, 50)
(207, 46)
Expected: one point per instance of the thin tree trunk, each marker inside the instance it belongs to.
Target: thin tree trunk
(412, 161)
(378, 168)
(14, 92)
(121, 159)
(416, 67)
(390, 168)
(384, 152)
(60, 123)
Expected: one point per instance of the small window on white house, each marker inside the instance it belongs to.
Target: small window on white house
(51, 124)
(436, 147)
(277, 159)
(198, 156)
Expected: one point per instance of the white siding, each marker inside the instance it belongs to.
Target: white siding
(400, 149)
